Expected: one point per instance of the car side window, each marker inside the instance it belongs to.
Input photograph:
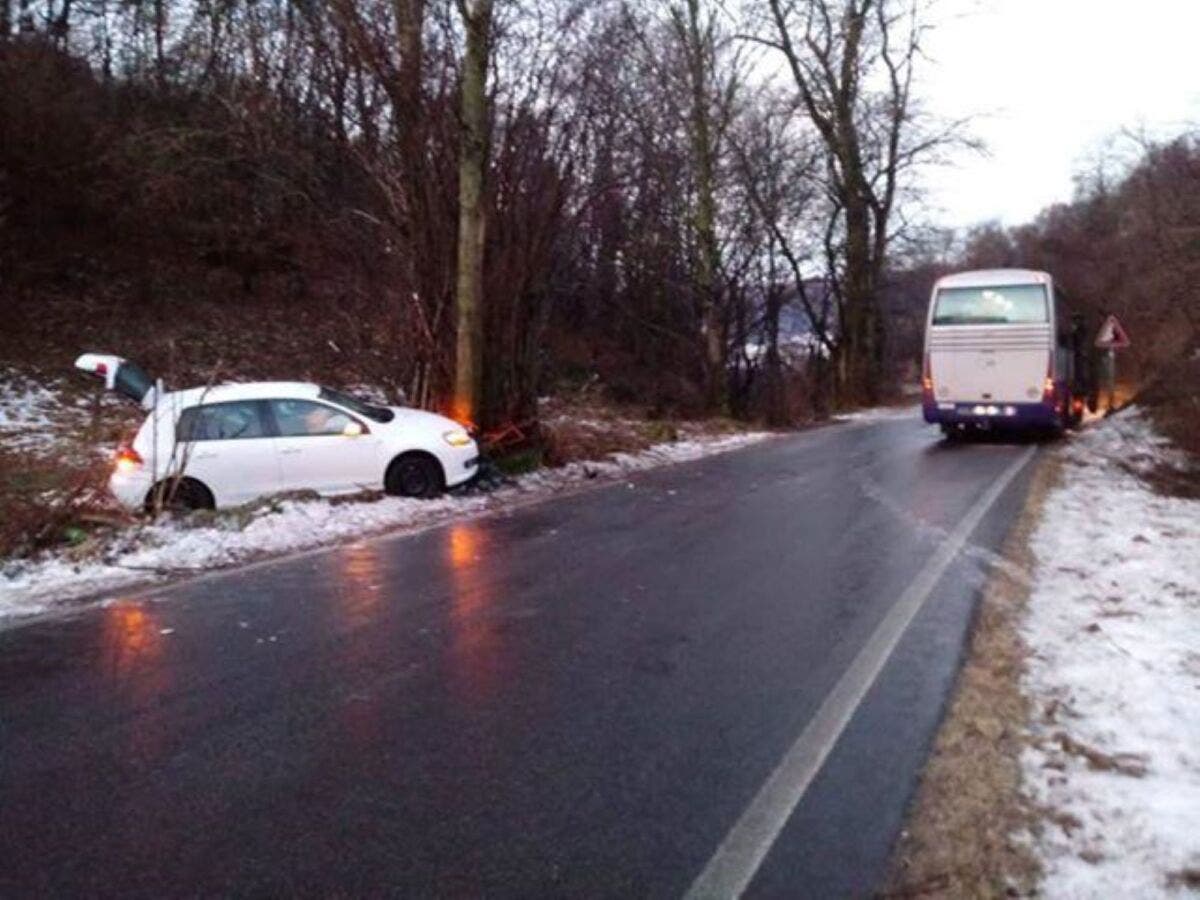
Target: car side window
(221, 422)
(303, 418)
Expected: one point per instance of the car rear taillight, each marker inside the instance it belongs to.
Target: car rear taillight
(128, 459)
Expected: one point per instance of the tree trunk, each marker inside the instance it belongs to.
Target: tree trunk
(705, 217)
(855, 334)
(160, 31)
(777, 414)
(473, 155)
(410, 25)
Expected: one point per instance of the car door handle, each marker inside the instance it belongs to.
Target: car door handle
(208, 455)
(289, 451)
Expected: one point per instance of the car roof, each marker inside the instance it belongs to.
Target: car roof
(251, 390)
(988, 277)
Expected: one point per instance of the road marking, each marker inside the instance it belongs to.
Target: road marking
(738, 858)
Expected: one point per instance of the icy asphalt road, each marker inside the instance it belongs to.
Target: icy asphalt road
(661, 685)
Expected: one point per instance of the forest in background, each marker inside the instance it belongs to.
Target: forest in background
(704, 207)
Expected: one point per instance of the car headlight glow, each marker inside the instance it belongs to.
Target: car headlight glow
(457, 438)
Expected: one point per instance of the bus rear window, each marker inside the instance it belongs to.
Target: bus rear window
(1019, 303)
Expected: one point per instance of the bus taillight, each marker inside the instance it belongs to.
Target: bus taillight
(1048, 392)
(927, 379)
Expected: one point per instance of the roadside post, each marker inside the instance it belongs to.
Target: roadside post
(1112, 337)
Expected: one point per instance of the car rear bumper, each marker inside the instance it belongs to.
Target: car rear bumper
(992, 415)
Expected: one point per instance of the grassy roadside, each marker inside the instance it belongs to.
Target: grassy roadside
(972, 827)
(1173, 401)
(959, 841)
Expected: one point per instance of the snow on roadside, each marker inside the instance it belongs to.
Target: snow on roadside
(35, 415)
(155, 552)
(881, 414)
(26, 411)
(1113, 627)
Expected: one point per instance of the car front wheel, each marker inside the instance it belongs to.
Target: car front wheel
(414, 475)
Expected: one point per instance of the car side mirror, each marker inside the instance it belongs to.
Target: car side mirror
(354, 429)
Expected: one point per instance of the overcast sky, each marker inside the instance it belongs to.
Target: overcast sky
(1050, 81)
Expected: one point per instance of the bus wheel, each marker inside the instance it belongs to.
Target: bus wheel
(950, 433)
(1073, 413)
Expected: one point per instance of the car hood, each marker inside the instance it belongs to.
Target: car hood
(409, 419)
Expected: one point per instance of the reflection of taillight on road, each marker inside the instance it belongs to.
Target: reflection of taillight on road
(128, 460)
(927, 379)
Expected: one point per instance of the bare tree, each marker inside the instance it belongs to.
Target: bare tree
(836, 51)
(707, 114)
(780, 174)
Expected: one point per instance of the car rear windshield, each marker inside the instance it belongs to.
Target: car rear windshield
(367, 410)
(1015, 304)
(132, 381)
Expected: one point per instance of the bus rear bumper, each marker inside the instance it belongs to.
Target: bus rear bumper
(992, 415)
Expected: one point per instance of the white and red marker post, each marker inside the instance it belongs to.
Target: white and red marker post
(1111, 338)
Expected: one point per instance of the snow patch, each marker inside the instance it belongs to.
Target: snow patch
(1113, 626)
(36, 415)
(26, 412)
(881, 414)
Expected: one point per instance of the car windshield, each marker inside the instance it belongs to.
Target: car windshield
(367, 410)
(993, 305)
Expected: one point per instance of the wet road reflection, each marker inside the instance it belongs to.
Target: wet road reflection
(360, 597)
(131, 657)
(477, 643)
(360, 572)
(132, 640)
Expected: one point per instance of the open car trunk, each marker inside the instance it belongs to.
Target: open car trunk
(120, 376)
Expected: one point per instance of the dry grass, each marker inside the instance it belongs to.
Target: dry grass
(960, 840)
(1184, 878)
(1131, 764)
(44, 504)
(582, 428)
(1173, 401)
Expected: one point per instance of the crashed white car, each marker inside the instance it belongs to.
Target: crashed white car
(227, 444)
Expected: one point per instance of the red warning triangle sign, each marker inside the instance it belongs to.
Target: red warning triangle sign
(1112, 335)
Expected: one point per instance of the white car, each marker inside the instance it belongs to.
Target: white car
(227, 444)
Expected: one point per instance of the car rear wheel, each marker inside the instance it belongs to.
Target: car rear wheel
(182, 495)
(414, 475)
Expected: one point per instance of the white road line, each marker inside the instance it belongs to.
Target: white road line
(738, 858)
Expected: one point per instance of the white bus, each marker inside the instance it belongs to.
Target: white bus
(1000, 351)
